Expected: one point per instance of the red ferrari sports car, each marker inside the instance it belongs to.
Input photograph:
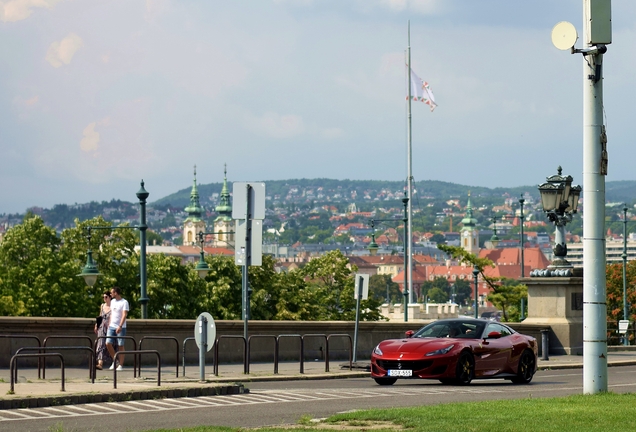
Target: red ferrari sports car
(456, 351)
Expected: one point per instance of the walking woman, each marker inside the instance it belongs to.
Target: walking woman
(101, 328)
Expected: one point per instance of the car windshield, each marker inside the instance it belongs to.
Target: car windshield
(452, 328)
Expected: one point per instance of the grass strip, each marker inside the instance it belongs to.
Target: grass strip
(605, 412)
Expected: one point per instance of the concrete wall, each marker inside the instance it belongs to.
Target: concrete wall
(230, 350)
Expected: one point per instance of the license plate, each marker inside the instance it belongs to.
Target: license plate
(400, 373)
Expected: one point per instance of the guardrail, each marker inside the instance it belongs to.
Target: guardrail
(161, 338)
(25, 337)
(14, 359)
(91, 363)
(90, 344)
(139, 353)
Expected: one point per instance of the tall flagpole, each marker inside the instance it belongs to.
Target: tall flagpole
(407, 228)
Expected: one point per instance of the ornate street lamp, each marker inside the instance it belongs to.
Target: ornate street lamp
(90, 273)
(560, 201)
(475, 276)
(202, 267)
(373, 246)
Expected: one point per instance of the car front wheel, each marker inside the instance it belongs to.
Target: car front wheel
(465, 371)
(385, 381)
(525, 372)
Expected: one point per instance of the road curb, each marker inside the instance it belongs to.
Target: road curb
(84, 398)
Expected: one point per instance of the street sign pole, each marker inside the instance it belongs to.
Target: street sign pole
(203, 347)
(355, 331)
(248, 260)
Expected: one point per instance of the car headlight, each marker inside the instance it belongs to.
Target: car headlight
(440, 351)
(377, 351)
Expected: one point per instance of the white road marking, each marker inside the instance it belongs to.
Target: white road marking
(255, 397)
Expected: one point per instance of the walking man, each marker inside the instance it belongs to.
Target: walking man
(117, 326)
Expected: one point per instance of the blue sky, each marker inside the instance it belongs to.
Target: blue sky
(96, 95)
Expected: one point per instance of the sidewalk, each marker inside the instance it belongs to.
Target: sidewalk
(31, 392)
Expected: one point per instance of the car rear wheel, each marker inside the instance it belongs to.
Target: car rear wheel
(385, 381)
(465, 371)
(525, 372)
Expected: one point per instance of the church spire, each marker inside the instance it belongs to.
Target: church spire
(224, 209)
(194, 209)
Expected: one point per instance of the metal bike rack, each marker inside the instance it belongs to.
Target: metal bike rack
(90, 344)
(324, 336)
(216, 352)
(188, 339)
(350, 348)
(25, 337)
(91, 369)
(249, 340)
(161, 338)
(119, 337)
(13, 363)
(278, 338)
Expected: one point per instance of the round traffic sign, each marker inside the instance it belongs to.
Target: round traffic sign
(210, 327)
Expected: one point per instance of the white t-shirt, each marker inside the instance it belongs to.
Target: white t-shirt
(117, 308)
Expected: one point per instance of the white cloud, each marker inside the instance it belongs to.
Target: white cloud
(275, 125)
(90, 140)
(17, 10)
(62, 52)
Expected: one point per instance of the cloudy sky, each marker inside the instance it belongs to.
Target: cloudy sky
(96, 95)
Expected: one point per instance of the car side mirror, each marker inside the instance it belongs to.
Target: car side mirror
(494, 335)
(409, 333)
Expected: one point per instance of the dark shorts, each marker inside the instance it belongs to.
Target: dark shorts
(112, 334)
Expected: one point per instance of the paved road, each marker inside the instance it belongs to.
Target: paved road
(271, 403)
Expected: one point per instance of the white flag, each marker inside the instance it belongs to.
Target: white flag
(420, 91)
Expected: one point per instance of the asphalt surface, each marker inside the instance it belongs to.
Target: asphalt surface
(32, 392)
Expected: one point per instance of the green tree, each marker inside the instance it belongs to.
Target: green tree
(379, 285)
(333, 283)
(437, 295)
(504, 293)
(463, 291)
(614, 283)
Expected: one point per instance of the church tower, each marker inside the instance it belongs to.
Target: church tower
(193, 223)
(224, 224)
(469, 232)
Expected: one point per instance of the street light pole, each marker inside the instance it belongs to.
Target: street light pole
(407, 243)
(523, 273)
(475, 276)
(142, 195)
(624, 256)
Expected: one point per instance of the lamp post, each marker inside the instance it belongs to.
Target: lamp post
(202, 267)
(560, 201)
(624, 256)
(475, 276)
(90, 273)
(523, 273)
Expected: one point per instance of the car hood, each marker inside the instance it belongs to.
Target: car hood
(417, 345)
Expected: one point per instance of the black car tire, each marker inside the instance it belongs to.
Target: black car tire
(385, 381)
(465, 370)
(526, 368)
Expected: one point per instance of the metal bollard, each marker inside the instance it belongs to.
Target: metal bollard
(545, 344)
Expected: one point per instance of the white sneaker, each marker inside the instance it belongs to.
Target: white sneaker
(112, 367)
(120, 368)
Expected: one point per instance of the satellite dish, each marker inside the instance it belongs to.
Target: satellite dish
(564, 35)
